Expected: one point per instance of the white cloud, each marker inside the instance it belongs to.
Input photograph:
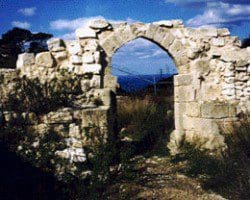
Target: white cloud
(183, 1)
(24, 25)
(204, 2)
(28, 11)
(219, 13)
(68, 36)
(155, 53)
(65, 24)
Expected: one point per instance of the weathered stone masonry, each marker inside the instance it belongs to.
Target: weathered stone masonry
(212, 87)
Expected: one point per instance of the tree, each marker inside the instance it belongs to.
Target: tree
(13, 43)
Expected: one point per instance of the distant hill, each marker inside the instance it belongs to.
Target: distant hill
(17, 41)
(144, 84)
(245, 42)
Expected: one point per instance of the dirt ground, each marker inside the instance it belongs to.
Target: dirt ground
(157, 178)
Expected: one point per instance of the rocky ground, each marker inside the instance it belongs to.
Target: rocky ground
(158, 178)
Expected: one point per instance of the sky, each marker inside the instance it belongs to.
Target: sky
(62, 17)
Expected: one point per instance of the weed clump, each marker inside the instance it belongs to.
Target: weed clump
(229, 174)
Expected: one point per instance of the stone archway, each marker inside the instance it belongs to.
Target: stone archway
(211, 89)
(205, 88)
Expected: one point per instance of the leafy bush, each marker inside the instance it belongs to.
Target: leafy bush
(34, 96)
(228, 175)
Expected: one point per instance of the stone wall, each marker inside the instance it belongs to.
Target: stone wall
(58, 92)
(211, 89)
(212, 85)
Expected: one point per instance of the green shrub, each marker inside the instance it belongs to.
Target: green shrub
(34, 96)
(228, 174)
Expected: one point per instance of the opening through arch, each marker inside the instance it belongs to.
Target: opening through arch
(145, 92)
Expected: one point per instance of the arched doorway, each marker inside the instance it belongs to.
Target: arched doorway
(145, 93)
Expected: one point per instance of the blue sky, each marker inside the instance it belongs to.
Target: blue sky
(62, 17)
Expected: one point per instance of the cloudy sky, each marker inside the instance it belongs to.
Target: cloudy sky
(62, 17)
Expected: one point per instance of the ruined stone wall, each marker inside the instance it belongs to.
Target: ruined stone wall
(211, 89)
(212, 85)
(65, 101)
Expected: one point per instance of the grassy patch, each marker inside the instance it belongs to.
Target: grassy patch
(145, 120)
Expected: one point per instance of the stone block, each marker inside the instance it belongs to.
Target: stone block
(229, 92)
(168, 40)
(175, 47)
(214, 110)
(92, 68)
(88, 58)
(232, 110)
(177, 23)
(60, 116)
(223, 32)
(99, 24)
(185, 93)
(209, 32)
(124, 34)
(229, 56)
(94, 82)
(85, 33)
(76, 60)
(212, 92)
(178, 33)
(179, 111)
(105, 95)
(95, 117)
(74, 48)
(164, 23)
(61, 55)
(180, 80)
(139, 29)
(38, 130)
(193, 109)
(45, 59)
(111, 44)
(74, 155)
(97, 56)
(190, 123)
(92, 45)
(56, 44)
(74, 131)
(203, 139)
(229, 80)
(25, 60)
(229, 73)
(192, 53)
(160, 34)
(241, 68)
(151, 31)
(219, 42)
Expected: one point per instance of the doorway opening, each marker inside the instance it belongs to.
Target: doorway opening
(145, 95)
